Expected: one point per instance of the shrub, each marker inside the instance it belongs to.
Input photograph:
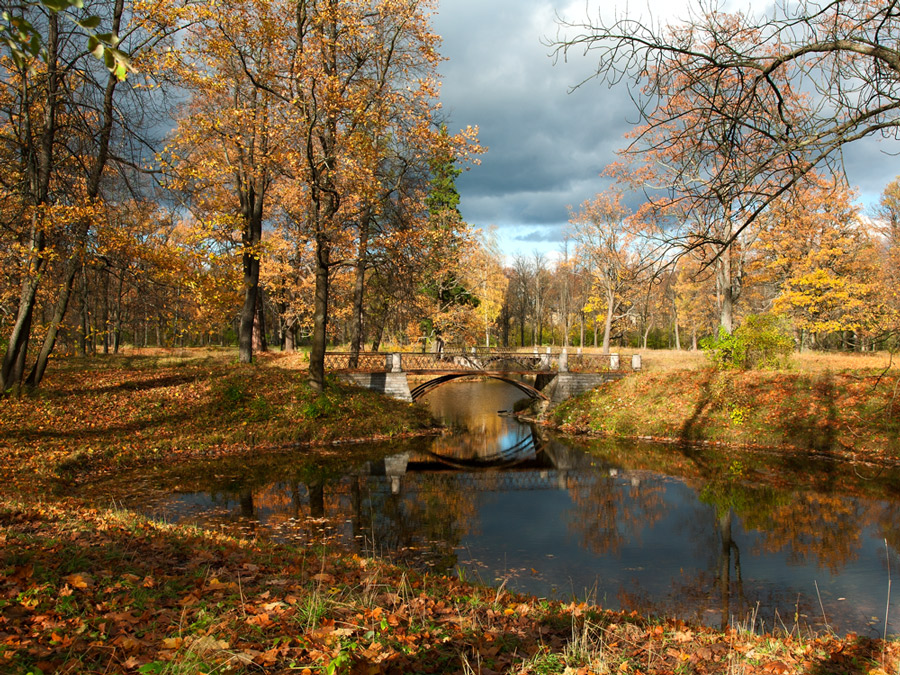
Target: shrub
(761, 341)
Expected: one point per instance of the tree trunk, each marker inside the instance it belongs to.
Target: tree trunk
(13, 366)
(607, 324)
(252, 211)
(117, 329)
(675, 321)
(104, 317)
(39, 169)
(729, 285)
(289, 338)
(85, 312)
(40, 366)
(378, 332)
(260, 344)
(522, 329)
(581, 329)
(320, 314)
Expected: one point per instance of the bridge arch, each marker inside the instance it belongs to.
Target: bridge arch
(425, 387)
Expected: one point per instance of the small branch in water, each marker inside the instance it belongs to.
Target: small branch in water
(887, 607)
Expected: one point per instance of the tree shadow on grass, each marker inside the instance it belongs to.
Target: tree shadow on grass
(692, 429)
(813, 432)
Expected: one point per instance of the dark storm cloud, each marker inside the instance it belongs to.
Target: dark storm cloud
(548, 144)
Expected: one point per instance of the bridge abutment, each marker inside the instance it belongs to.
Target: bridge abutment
(566, 385)
(395, 385)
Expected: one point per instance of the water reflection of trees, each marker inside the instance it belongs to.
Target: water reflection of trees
(812, 511)
(783, 505)
(887, 519)
(821, 528)
(426, 518)
(606, 513)
(809, 521)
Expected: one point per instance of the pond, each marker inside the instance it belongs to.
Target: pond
(773, 542)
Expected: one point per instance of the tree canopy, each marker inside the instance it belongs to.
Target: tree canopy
(782, 89)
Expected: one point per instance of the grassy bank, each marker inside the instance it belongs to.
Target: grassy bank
(853, 414)
(89, 587)
(100, 415)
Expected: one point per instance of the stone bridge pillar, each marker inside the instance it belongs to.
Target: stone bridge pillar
(545, 360)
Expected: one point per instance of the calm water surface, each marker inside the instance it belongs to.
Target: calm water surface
(699, 534)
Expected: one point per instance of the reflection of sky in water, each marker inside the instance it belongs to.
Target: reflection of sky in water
(513, 437)
(531, 540)
(563, 527)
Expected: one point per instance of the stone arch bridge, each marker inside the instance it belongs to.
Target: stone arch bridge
(549, 375)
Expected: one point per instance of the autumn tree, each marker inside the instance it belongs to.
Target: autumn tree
(619, 249)
(66, 118)
(484, 275)
(887, 216)
(694, 171)
(415, 237)
(518, 294)
(360, 72)
(288, 279)
(822, 260)
(221, 154)
(25, 41)
(429, 255)
(540, 280)
(745, 72)
(695, 297)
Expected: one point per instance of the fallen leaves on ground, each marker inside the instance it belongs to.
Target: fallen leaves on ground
(92, 590)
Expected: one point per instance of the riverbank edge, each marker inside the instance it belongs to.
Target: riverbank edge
(848, 416)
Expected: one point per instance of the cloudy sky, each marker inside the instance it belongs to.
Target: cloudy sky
(546, 143)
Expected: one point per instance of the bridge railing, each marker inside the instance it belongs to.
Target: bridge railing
(591, 363)
(366, 362)
(494, 359)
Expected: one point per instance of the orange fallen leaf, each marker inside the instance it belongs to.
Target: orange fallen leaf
(172, 643)
(79, 580)
(261, 620)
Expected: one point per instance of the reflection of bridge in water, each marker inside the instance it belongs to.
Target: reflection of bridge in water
(551, 466)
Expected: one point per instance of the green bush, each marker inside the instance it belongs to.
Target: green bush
(761, 341)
